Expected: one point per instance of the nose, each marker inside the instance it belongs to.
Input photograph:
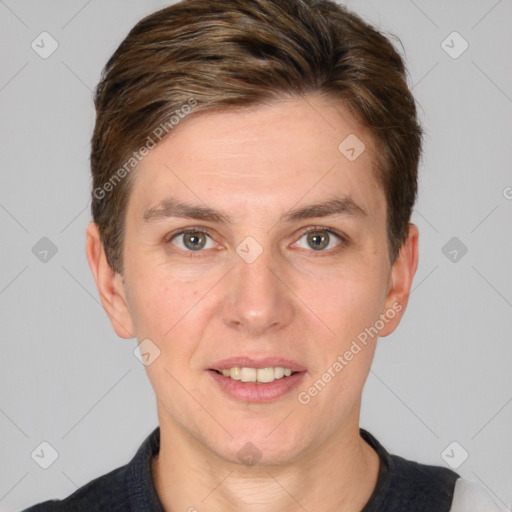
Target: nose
(259, 300)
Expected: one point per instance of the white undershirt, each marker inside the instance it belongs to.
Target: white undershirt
(470, 496)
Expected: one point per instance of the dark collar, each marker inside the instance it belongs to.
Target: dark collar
(399, 481)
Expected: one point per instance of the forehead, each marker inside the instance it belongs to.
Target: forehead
(284, 153)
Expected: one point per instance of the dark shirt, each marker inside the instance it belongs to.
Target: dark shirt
(402, 486)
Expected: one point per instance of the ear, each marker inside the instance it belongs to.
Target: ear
(401, 277)
(109, 283)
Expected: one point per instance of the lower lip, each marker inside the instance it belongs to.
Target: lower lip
(253, 392)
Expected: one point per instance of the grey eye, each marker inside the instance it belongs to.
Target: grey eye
(319, 239)
(192, 240)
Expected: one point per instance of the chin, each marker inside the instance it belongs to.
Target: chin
(258, 448)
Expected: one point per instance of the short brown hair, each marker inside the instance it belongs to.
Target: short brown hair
(225, 54)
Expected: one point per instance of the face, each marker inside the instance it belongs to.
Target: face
(259, 276)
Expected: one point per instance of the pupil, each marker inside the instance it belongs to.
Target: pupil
(318, 238)
(193, 238)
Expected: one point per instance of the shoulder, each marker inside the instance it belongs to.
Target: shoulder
(409, 485)
(426, 483)
(470, 496)
(106, 492)
(125, 488)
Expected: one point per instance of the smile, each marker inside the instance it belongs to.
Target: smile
(244, 383)
(260, 375)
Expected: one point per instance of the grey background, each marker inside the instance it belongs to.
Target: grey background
(67, 379)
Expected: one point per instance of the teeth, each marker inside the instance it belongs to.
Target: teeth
(248, 374)
(265, 375)
(278, 372)
(262, 375)
(235, 373)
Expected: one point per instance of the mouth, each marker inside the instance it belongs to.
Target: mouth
(251, 384)
(263, 375)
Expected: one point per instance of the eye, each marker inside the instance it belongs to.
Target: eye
(321, 238)
(191, 240)
(194, 240)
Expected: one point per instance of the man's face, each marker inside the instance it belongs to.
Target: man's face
(257, 285)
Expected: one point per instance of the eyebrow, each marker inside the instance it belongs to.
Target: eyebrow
(171, 207)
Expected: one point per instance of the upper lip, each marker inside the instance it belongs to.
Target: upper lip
(249, 362)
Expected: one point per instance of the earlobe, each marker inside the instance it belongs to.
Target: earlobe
(401, 278)
(109, 284)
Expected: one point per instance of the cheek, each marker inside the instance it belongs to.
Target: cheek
(346, 302)
(160, 304)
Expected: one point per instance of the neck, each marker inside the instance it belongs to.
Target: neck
(339, 475)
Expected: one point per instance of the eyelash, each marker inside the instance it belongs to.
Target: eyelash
(195, 254)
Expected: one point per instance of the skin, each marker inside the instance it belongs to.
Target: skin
(293, 301)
